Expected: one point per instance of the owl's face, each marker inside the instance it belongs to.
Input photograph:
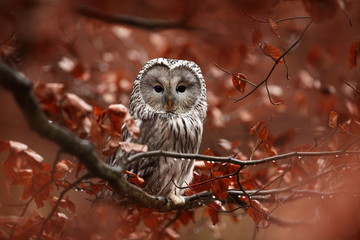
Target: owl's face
(170, 90)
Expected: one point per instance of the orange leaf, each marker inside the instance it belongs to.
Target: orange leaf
(257, 211)
(135, 179)
(254, 130)
(271, 51)
(333, 116)
(239, 82)
(274, 27)
(353, 53)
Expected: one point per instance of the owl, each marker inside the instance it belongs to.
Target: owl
(168, 102)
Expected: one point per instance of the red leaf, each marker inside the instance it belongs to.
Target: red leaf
(220, 186)
(118, 109)
(186, 217)
(171, 233)
(239, 82)
(333, 116)
(254, 130)
(354, 52)
(257, 211)
(274, 27)
(76, 102)
(271, 51)
(213, 211)
(150, 218)
(62, 168)
(135, 179)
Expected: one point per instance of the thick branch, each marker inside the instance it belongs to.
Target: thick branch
(21, 89)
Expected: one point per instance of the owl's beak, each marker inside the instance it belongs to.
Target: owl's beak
(170, 104)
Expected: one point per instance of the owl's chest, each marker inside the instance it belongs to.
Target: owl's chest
(178, 134)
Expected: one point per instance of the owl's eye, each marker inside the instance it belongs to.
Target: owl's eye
(158, 88)
(181, 88)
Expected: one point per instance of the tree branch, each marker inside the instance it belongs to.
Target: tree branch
(21, 89)
(133, 21)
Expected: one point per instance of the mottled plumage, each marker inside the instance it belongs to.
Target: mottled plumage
(168, 101)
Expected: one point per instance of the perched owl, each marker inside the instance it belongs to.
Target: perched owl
(168, 102)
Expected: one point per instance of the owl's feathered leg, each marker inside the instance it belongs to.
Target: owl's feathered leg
(176, 199)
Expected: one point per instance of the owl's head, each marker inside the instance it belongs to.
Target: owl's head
(171, 86)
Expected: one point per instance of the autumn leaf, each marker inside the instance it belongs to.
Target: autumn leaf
(134, 178)
(255, 129)
(354, 52)
(257, 211)
(213, 211)
(150, 218)
(271, 51)
(274, 27)
(64, 203)
(239, 82)
(62, 168)
(220, 185)
(333, 117)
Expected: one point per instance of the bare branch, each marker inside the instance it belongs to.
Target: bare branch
(133, 21)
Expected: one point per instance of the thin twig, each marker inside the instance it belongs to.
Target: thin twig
(354, 88)
(232, 74)
(61, 196)
(275, 63)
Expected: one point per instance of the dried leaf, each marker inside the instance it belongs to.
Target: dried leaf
(333, 117)
(134, 178)
(255, 129)
(62, 169)
(274, 27)
(171, 233)
(220, 186)
(239, 82)
(354, 52)
(271, 51)
(213, 211)
(257, 211)
(76, 102)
